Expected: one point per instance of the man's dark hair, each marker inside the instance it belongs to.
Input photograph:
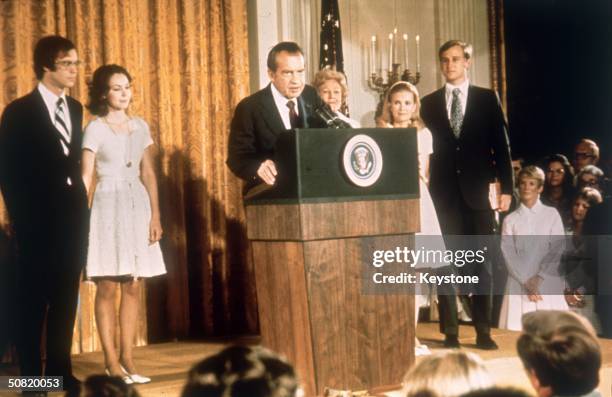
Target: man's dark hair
(467, 48)
(240, 371)
(288, 46)
(47, 51)
(567, 359)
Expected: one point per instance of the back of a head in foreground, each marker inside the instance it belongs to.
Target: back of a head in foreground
(103, 386)
(447, 374)
(240, 371)
(498, 391)
(544, 322)
(566, 360)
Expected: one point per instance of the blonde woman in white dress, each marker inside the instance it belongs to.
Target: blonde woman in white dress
(125, 220)
(401, 110)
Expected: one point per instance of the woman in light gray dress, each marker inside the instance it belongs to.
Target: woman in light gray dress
(125, 220)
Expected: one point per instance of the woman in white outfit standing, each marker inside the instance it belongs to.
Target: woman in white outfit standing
(125, 220)
(401, 110)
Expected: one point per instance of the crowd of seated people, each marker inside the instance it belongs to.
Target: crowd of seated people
(559, 351)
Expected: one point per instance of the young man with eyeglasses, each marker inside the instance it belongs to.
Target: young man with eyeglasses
(40, 179)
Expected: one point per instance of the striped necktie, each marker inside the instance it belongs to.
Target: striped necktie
(60, 124)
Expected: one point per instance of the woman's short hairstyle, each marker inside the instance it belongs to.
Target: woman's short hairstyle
(48, 49)
(329, 74)
(532, 172)
(567, 360)
(590, 170)
(99, 87)
(386, 116)
(448, 374)
(590, 195)
(240, 371)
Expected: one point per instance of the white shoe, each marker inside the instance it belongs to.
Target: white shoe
(127, 379)
(136, 378)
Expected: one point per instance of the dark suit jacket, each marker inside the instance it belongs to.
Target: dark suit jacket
(480, 155)
(255, 128)
(49, 217)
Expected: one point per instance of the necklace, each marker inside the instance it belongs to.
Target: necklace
(128, 141)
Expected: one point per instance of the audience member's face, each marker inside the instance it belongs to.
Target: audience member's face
(331, 93)
(288, 78)
(588, 180)
(529, 190)
(119, 92)
(583, 156)
(402, 107)
(65, 73)
(580, 209)
(454, 65)
(555, 174)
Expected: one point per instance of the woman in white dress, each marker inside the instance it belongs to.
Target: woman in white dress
(532, 244)
(401, 110)
(333, 90)
(125, 220)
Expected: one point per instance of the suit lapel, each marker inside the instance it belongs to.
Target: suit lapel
(270, 111)
(468, 110)
(304, 109)
(441, 105)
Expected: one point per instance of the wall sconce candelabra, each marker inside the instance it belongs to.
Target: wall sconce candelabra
(377, 81)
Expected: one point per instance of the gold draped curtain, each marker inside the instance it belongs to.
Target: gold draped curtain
(189, 61)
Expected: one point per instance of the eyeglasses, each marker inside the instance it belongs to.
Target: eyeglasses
(583, 155)
(558, 171)
(67, 64)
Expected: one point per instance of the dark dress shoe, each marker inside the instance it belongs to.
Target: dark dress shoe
(485, 342)
(451, 342)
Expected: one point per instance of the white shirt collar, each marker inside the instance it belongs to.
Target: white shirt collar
(50, 98)
(281, 104)
(281, 100)
(537, 207)
(463, 87)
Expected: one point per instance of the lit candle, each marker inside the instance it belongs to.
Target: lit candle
(395, 60)
(418, 55)
(390, 51)
(405, 51)
(373, 55)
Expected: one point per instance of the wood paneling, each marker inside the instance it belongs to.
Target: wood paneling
(283, 305)
(312, 309)
(312, 221)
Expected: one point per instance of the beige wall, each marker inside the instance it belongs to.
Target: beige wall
(435, 21)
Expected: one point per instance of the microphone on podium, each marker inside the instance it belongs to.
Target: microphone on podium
(330, 118)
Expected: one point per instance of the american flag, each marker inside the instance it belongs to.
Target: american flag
(331, 37)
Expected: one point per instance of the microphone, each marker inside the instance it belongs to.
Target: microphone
(330, 118)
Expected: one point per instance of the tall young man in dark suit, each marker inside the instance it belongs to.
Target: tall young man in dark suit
(40, 179)
(286, 103)
(471, 151)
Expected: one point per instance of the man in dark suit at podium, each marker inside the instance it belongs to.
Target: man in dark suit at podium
(471, 151)
(286, 103)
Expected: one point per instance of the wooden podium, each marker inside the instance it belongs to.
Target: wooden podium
(308, 235)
